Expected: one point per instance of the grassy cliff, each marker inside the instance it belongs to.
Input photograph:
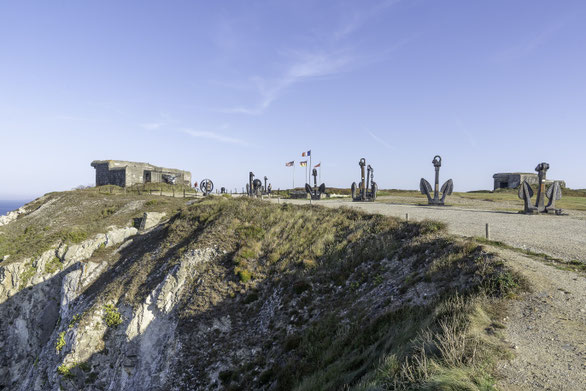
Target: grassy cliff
(253, 295)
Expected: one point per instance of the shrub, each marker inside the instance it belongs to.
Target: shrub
(60, 342)
(244, 275)
(53, 265)
(26, 275)
(64, 371)
(110, 210)
(74, 236)
(75, 320)
(250, 232)
(112, 316)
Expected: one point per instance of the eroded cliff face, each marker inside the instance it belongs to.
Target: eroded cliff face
(221, 294)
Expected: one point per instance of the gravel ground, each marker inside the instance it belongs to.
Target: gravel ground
(562, 237)
(546, 329)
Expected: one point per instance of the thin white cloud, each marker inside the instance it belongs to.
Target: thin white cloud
(531, 44)
(361, 16)
(332, 59)
(152, 125)
(380, 140)
(305, 66)
(214, 137)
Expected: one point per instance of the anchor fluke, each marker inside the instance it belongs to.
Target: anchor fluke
(448, 187)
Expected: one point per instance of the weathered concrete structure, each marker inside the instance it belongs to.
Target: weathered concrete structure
(122, 173)
(512, 180)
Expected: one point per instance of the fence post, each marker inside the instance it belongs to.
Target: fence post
(407, 217)
(173, 192)
(487, 232)
(161, 191)
(183, 193)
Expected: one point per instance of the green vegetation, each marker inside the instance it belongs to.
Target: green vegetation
(108, 211)
(60, 342)
(244, 275)
(27, 274)
(65, 371)
(53, 265)
(75, 320)
(74, 236)
(443, 344)
(72, 217)
(112, 316)
(367, 330)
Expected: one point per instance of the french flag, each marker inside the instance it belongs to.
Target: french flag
(308, 153)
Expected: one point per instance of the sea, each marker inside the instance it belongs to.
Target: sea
(9, 205)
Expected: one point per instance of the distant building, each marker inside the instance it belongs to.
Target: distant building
(124, 174)
(512, 180)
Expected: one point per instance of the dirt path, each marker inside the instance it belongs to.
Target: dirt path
(546, 328)
(562, 237)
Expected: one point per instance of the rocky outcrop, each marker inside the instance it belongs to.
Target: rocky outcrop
(150, 219)
(11, 216)
(38, 294)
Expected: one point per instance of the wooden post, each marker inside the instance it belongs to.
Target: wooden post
(487, 232)
(161, 191)
(407, 217)
(150, 191)
(173, 192)
(183, 193)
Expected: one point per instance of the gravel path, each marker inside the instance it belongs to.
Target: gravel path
(546, 329)
(563, 237)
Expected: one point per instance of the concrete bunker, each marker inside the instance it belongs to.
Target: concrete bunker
(125, 174)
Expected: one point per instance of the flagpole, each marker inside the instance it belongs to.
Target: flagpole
(293, 175)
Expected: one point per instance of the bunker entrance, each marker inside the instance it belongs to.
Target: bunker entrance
(147, 176)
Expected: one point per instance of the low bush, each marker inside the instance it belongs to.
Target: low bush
(112, 316)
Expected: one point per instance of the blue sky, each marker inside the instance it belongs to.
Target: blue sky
(224, 87)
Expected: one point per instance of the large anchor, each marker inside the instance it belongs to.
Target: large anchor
(368, 187)
(446, 190)
(315, 192)
(254, 186)
(553, 193)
